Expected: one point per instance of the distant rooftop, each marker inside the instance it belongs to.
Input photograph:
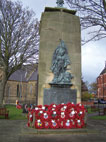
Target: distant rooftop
(103, 71)
(24, 74)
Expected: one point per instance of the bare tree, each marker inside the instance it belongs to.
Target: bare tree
(92, 15)
(19, 39)
(93, 87)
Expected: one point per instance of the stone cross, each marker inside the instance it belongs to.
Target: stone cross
(60, 3)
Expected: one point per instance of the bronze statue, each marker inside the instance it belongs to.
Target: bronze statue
(60, 3)
(60, 62)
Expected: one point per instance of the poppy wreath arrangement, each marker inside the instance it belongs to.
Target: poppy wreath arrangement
(66, 116)
(30, 116)
(39, 124)
(53, 124)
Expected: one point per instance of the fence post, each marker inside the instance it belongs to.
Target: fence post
(33, 123)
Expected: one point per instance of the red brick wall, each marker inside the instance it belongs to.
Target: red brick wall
(87, 103)
(101, 86)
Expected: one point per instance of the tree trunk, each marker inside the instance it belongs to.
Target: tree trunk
(2, 87)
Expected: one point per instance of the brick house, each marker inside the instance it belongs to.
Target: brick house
(101, 85)
(22, 86)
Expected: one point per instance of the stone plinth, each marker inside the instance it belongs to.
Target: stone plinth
(59, 95)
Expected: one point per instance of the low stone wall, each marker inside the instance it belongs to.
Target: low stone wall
(85, 103)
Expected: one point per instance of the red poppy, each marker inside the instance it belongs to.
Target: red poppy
(73, 123)
(18, 106)
(46, 107)
(30, 116)
(54, 124)
(60, 123)
(62, 107)
(54, 114)
(71, 107)
(45, 116)
(79, 123)
(80, 113)
(71, 114)
(46, 124)
(39, 124)
(39, 114)
(62, 115)
(39, 106)
(67, 124)
(28, 124)
(29, 109)
(52, 107)
(79, 105)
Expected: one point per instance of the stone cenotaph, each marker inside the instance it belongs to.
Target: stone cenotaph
(59, 67)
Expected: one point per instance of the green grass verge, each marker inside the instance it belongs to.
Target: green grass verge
(89, 110)
(98, 117)
(14, 113)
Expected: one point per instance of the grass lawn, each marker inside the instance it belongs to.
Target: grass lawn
(89, 110)
(98, 117)
(14, 113)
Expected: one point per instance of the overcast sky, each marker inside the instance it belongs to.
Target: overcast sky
(93, 54)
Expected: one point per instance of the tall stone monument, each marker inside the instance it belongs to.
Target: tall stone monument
(59, 27)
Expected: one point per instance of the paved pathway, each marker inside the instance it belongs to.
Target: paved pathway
(17, 131)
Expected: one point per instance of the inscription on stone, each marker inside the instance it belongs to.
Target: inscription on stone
(59, 95)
